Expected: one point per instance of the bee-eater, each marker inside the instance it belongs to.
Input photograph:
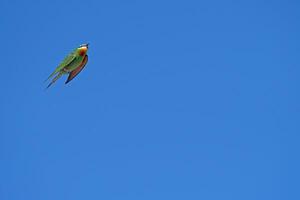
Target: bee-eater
(72, 64)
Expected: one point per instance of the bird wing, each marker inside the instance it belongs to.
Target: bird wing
(68, 59)
(76, 71)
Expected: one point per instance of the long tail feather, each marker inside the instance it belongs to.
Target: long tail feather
(55, 79)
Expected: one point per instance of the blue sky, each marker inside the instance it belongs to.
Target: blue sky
(179, 100)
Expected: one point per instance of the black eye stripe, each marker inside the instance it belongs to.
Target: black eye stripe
(84, 45)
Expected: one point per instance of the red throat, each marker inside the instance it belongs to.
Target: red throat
(82, 52)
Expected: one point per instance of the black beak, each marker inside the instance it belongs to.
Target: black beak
(85, 45)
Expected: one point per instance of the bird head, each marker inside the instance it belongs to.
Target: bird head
(83, 49)
(85, 45)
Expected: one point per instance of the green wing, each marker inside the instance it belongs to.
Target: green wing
(68, 59)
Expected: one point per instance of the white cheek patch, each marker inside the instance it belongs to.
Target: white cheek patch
(83, 48)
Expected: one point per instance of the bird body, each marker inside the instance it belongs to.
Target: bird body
(72, 64)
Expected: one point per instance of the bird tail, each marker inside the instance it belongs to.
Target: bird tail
(51, 75)
(55, 79)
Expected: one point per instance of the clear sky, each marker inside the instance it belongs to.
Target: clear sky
(179, 100)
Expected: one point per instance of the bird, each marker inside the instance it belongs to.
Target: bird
(71, 65)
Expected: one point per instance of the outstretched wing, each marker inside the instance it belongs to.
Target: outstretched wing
(68, 59)
(75, 72)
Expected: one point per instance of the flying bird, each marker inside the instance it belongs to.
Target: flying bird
(71, 65)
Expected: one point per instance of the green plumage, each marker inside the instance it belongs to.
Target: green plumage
(70, 63)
